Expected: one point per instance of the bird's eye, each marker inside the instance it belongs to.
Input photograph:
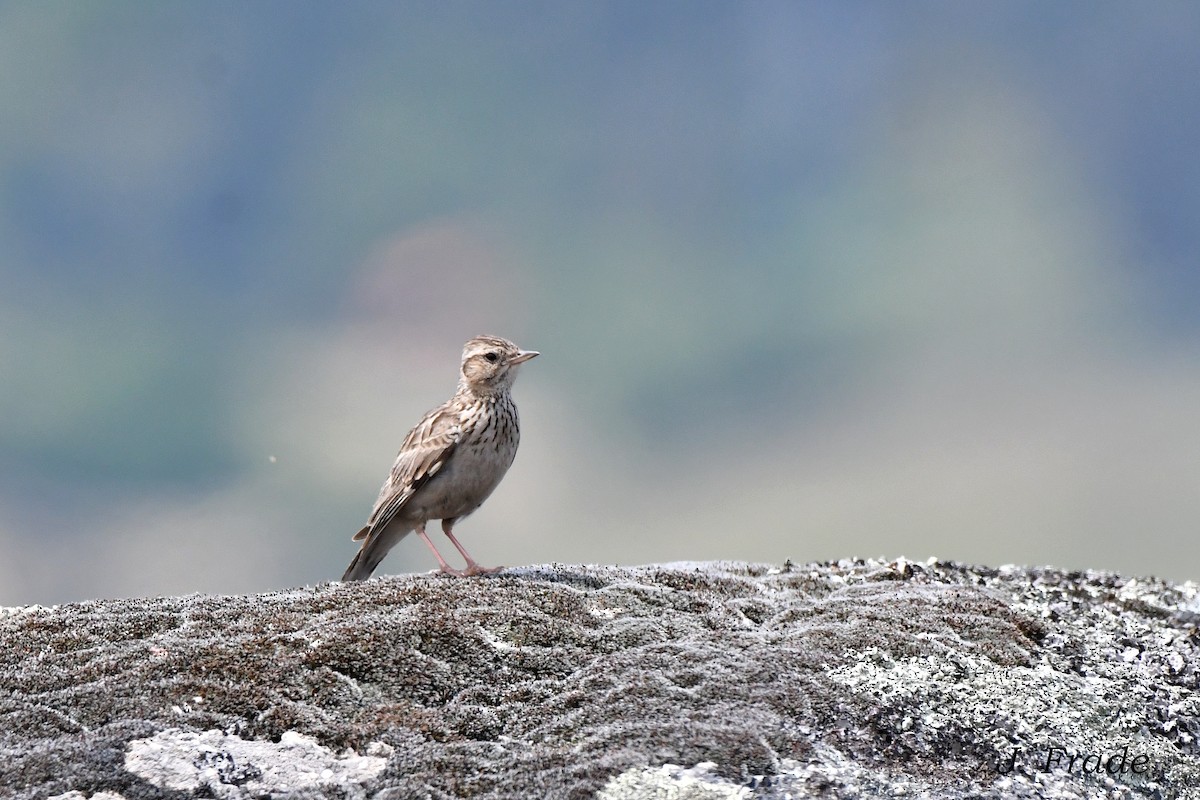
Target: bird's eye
(492, 356)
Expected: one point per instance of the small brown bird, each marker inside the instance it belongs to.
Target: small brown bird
(451, 461)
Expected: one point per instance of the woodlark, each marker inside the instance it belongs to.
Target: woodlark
(451, 461)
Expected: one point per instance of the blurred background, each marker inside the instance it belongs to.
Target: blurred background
(810, 280)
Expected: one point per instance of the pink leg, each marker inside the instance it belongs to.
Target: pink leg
(441, 561)
(472, 567)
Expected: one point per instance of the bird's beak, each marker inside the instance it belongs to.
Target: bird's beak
(523, 355)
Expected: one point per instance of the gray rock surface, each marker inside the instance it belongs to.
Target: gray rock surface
(719, 680)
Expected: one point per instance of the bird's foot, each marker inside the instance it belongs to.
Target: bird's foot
(458, 573)
(474, 569)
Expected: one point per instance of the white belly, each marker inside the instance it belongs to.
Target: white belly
(470, 476)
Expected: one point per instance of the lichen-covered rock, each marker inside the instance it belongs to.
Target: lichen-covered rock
(848, 679)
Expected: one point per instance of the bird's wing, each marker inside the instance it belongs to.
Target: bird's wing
(425, 451)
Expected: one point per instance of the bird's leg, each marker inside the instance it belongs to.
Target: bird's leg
(441, 561)
(473, 567)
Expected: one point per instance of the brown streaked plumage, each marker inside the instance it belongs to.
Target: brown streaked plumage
(451, 461)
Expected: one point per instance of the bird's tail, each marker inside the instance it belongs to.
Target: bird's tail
(376, 545)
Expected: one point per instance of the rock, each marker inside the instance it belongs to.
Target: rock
(690, 681)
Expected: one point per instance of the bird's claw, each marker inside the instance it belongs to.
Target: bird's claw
(474, 569)
(471, 571)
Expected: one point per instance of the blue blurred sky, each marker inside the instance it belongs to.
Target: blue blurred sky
(811, 280)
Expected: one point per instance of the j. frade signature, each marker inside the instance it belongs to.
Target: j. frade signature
(1080, 763)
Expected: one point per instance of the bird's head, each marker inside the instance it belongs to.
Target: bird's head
(489, 364)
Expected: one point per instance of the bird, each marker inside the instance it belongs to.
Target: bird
(451, 461)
